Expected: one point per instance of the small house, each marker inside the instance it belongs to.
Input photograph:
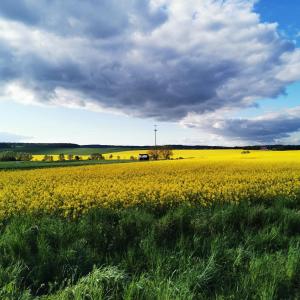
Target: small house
(144, 157)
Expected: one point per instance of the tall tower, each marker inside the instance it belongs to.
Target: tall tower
(155, 133)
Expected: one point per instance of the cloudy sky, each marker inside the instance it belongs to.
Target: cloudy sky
(217, 72)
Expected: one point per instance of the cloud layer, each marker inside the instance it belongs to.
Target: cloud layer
(164, 59)
(266, 129)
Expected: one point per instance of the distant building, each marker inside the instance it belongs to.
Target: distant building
(264, 148)
(144, 156)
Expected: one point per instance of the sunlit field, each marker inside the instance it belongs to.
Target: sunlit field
(201, 178)
(221, 155)
(214, 224)
(211, 155)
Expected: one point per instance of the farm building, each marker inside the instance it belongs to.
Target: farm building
(144, 157)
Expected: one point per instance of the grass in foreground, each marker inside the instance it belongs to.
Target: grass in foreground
(241, 251)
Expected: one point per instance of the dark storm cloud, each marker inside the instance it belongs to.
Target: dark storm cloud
(173, 92)
(148, 58)
(100, 19)
(19, 11)
(261, 131)
(7, 71)
(269, 128)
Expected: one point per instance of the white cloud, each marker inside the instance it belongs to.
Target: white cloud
(164, 59)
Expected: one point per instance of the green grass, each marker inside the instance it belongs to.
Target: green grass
(243, 251)
(37, 165)
(53, 151)
(76, 151)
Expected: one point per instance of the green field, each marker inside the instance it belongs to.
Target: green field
(36, 165)
(52, 150)
(41, 149)
(77, 151)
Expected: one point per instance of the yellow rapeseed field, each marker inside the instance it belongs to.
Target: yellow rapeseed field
(212, 176)
(219, 155)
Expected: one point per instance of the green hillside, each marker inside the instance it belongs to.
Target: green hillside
(59, 148)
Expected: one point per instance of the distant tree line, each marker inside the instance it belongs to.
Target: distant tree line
(273, 147)
(15, 156)
(41, 146)
(69, 157)
(61, 157)
(38, 145)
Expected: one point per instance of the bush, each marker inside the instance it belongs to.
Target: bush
(70, 156)
(15, 156)
(48, 158)
(245, 152)
(8, 156)
(163, 152)
(61, 157)
(23, 156)
(96, 156)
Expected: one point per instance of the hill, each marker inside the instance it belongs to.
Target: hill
(70, 148)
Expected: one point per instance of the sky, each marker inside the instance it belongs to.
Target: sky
(207, 72)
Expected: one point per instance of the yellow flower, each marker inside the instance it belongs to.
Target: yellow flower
(203, 177)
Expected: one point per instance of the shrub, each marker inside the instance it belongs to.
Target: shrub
(70, 157)
(15, 156)
(8, 156)
(96, 156)
(61, 157)
(245, 152)
(48, 158)
(160, 153)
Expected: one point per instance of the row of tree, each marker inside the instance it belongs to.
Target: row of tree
(69, 157)
(61, 157)
(155, 154)
(15, 156)
(163, 152)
